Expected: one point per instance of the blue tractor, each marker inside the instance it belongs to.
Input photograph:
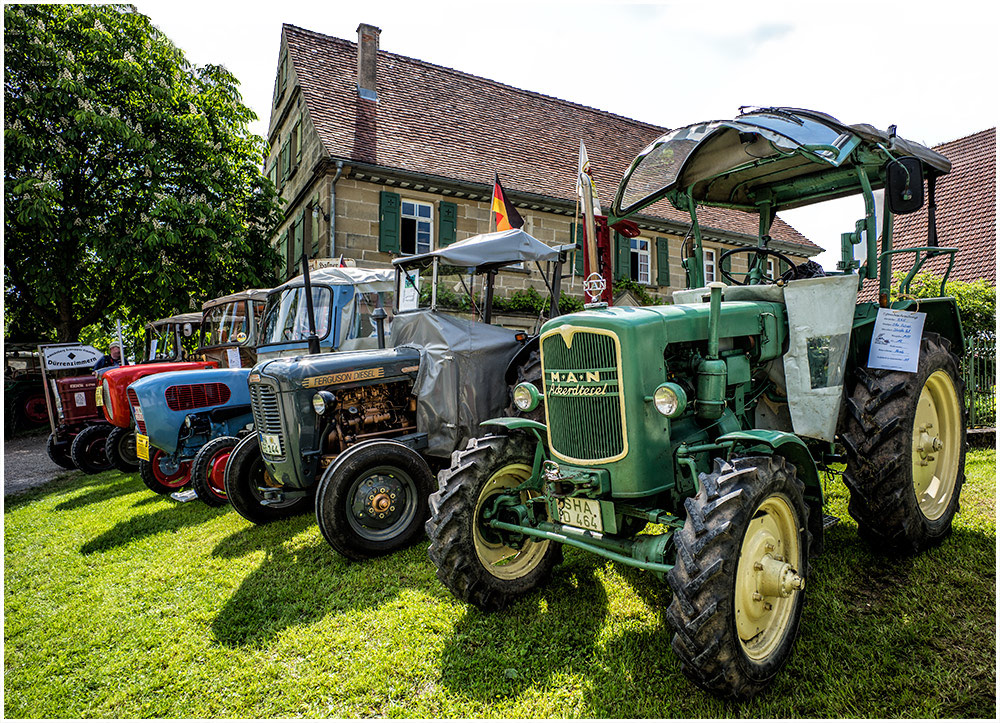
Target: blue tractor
(190, 422)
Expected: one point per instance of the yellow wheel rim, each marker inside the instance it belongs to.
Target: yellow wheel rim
(503, 562)
(767, 579)
(937, 437)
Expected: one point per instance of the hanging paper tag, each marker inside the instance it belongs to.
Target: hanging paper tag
(233, 357)
(896, 340)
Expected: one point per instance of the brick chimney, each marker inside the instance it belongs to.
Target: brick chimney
(367, 54)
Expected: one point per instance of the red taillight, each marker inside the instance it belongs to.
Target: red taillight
(194, 396)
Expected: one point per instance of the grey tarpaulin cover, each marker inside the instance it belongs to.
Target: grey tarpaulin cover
(489, 249)
(461, 377)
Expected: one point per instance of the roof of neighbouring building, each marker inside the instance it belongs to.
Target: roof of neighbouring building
(966, 209)
(441, 122)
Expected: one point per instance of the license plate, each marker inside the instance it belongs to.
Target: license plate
(98, 397)
(270, 444)
(137, 413)
(579, 512)
(142, 446)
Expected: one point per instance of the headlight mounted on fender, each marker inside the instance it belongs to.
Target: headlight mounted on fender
(669, 400)
(526, 397)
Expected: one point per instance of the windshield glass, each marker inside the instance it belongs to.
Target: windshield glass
(287, 318)
(226, 324)
(458, 289)
(356, 316)
(161, 343)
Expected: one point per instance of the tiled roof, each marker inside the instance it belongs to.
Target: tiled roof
(442, 122)
(966, 211)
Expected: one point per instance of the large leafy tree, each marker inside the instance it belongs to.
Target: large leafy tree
(132, 183)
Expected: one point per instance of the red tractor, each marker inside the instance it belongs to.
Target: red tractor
(69, 395)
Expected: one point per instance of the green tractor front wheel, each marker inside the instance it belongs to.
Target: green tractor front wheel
(738, 583)
(476, 562)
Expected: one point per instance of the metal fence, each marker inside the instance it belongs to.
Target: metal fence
(979, 367)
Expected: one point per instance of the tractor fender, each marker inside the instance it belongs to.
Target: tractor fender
(788, 446)
(515, 423)
(793, 449)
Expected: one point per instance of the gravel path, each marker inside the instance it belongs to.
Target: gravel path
(26, 464)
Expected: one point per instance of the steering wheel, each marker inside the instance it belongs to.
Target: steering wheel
(758, 252)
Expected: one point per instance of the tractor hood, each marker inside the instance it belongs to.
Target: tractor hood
(322, 371)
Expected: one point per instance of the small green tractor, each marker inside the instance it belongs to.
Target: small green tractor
(688, 439)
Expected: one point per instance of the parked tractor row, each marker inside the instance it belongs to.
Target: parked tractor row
(688, 440)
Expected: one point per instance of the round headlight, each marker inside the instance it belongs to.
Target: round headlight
(319, 404)
(669, 400)
(526, 396)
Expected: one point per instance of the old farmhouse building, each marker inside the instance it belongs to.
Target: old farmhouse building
(377, 154)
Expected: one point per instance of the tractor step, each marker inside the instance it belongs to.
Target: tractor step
(829, 521)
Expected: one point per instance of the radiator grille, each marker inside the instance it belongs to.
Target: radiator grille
(133, 401)
(267, 413)
(583, 396)
(195, 396)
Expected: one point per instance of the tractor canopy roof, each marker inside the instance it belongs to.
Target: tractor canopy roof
(176, 320)
(487, 251)
(788, 157)
(248, 294)
(363, 279)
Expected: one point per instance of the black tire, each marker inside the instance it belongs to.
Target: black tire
(208, 477)
(59, 452)
(373, 499)
(729, 641)
(159, 474)
(529, 371)
(120, 449)
(88, 449)
(886, 441)
(462, 549)
(245, 472)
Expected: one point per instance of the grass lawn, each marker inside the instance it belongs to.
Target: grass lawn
(119, 603)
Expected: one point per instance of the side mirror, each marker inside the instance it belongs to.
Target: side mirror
(905, 185)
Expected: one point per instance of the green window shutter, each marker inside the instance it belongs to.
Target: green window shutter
(388, 222)
(662, 261)
(297, 238)
(726, 265)
(623, 253)
(782, 267)
(284, 76)
(283, 253)
(577, 237)
(447, 223)
(297, 132)
(285, 157)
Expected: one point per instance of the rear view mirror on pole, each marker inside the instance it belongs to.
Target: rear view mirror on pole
(905, 185)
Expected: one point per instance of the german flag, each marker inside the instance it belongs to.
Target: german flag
(504, 212)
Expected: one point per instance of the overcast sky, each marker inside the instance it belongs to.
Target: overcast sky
(930, 68)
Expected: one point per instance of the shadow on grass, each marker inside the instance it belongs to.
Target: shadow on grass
(170, 519)
(554, 629)
(117, 484)
(297, 584)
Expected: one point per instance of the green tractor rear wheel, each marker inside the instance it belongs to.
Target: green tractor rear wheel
(476, 562)
(905, 442)
(738, 583)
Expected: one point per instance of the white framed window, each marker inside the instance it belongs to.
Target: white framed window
(770, 269)
(416, 226)
(639, 260)
(709, 267)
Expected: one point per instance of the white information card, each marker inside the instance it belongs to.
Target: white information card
(896, 340)
(233, 357)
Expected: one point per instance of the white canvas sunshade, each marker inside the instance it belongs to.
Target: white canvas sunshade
(365, 280)
(488, 249)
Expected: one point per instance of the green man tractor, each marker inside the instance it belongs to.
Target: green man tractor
(712, 417)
